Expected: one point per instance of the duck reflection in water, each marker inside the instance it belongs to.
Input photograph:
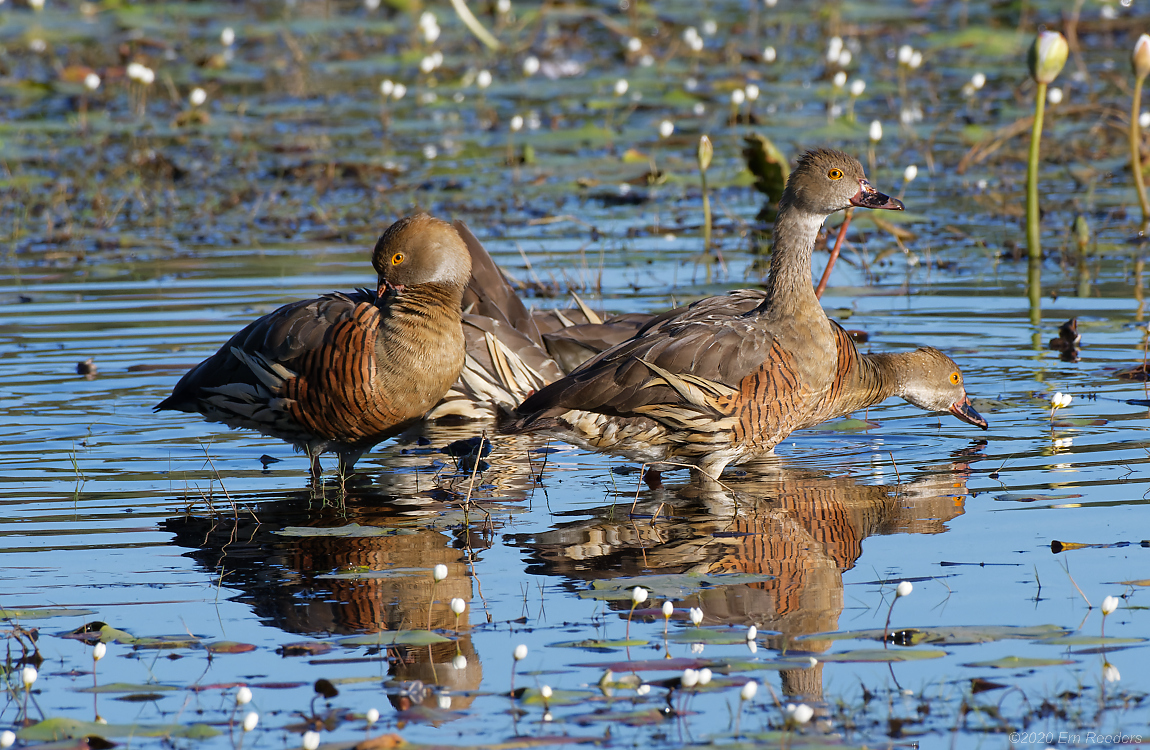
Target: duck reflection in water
(803, 527)
(319, 586)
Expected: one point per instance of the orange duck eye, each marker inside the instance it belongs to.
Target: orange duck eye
(955, 378)
(835, 174)
(397, 259)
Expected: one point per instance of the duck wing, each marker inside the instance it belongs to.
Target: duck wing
(271, 350)
(696, 361)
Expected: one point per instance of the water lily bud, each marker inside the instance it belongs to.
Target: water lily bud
(705, 676)
(483, 80)
(915, 60)
(690, 678)
(440, 572)
(399, 92)
(904, 54)
(769, 54)
(520, 652)
(1047, 56)
(621, 87)
(910, 173)
(749, 689)
(503, 7)
(1110, 673)
(310, 740)
(28, 676)
(668, 608)
(752, 646)
(696, 616)
(371, 716)
(738, 96)
(427, 64)
(516, 123)
(845, 58)
(386, 87)
(1054, 95)
(91, 81)
(710, 27)
(875, 131)
(228, 36)
(530, 65)
(840, 80)
(251, 720)
(666, 128)
(458, 605)
(634, 44)
(803, 713)
(1140, 60)
(1109, 604)
(858, 86)
(7, 738)
(834, 48)
(752, 92)
(1144, 119)
(459, 663)
(198, 96)
(643, 690)
(545, 691)
(904, 589)
(705, 153)
(99, 651)
(243, 696)
(639, 594)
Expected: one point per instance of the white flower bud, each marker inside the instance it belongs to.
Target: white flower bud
(371, 716)
(769, 54)
(639, 594)
(696, 616)
(100, 650)
(198, 96)
(251, 720)
(228, 36)
(310, 740)
(243, 696)
(910, 173)
(750, 687)
(858, 86)
(621, 87)
(876, 131)
(904, 54)
(668, 609)
(1054, 95)
(28, 676)
(439, 572)
(1109, 604)
(483, 80)
(530, 65)
(978, 80)
(520, 652)
(666, 128)
(840, 80)
(904, 588)
(7, 738)
(690, 678)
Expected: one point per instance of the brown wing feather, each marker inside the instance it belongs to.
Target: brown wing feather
(284, 336)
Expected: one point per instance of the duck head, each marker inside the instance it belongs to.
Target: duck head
(931, 380)
(826, 181)
(417, 250)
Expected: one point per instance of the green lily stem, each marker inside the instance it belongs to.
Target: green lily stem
(1033, 241)
(1135, 145)
(706, 212)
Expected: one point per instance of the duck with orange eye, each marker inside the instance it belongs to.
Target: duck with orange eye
(346, 371)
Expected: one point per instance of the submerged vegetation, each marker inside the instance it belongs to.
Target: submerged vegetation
(172, 171)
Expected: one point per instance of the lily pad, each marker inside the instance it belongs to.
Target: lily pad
(1019, 662)
(643, 718)
(599, 645)
(395, 638)
(229, 647)
(41, 614)
(954, 635)
(125, 687)
(1090, 640)
(715, 636)
(61, 728)
(882, 655)
(675, 586)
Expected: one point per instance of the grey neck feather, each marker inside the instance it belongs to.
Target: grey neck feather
(789, 286)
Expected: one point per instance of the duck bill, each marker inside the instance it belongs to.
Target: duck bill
(384, 288)
(868, 197)
(964, 411)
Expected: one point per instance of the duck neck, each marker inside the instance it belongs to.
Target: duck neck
(789, 284)
(877, 380)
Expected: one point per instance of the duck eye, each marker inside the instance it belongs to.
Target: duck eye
(835, 174)
(955, 378)
(397, 259)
